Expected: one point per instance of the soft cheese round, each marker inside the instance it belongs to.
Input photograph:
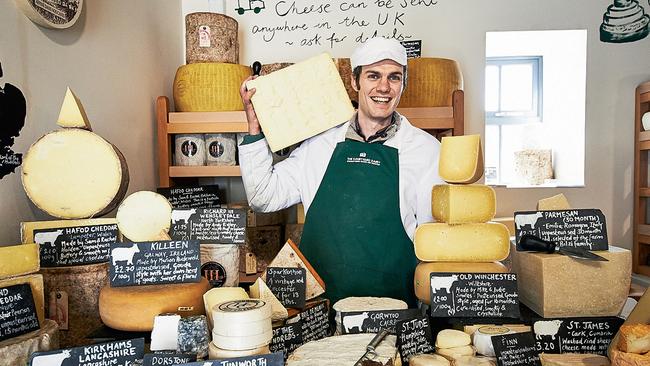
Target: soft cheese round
(343, 350)
(482, 338)
(450, 338)
(241, 311)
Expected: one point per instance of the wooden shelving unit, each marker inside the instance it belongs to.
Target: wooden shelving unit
(641, 250)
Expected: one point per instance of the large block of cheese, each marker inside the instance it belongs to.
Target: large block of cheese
(27, 228)
(209, 87)
(557, 202)
(557, 286)
(300, 101)
(35, 281)
(422, 278)
(18, 260)
(461, 159)
(487, 242)
(16, 351)
(463, 204)
(72, 114)
(344, 350)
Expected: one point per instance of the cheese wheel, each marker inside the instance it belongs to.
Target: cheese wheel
(428, 360)
(16, 351)
(209, 87)
(475, 361)
(455, 352)
(463, 204)
(240, 311)
(482, 338)
(72, 113)
(234, 343)
(574, 359)
(364, 304)
(220, 264)
(144, 216)
(134, 308)
(450, 338)
(645, 121)
(488, 242)
(211, 37)
(461, 159)
(216, 353)
(242, 329)
(17, 260)
(56, 15)
(164, 335)
(74, 174)
(344, 350)
(35, 282)
(431, 82)
(219, 295)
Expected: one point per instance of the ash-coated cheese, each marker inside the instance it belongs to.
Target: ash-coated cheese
(450, 338)
(487, 242)
(209, 87)
(193, 335)
(557, 202)
(343, 350)
(463, 204)
(17, 260)
(144, 216)
(259, 290)
(16, 351)
(35, 282)
(219, 295)
(428, 360)
(300, 101)
(461, 159)
(350, 304)
(573, 359)
(72, 114)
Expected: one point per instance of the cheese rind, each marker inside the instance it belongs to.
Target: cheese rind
(218, 295)
(343, 350)
(634, 338)
(463, 204)
(16, 351)
(487, 242)
(72, 113)
(259, 290)
(456, 352)
(428, 360)
(452, 338)
(557, 202)
(144, 216)
(620, 358)
(164, 335)
(461, 159)
(209, 87)
(219, 353)
(368, 303)
(475, 361)
(573, 359)
(289, 256)
(17, 260)
(238, 343)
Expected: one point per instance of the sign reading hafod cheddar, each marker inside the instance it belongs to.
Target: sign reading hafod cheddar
(300, 101)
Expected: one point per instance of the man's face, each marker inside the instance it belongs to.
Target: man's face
(380, 87)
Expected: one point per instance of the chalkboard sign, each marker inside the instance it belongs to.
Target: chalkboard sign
(374, 321)
(288, 285)
(517, 349)
(155, 262)
(474, 295)
(73, 246)
(575, 335)
(314, 321)
(167, 359)
(193, 197)
(209, 225)
(287, 338)
(272, 359)
(119, 353)
(583, 228)
(413, 48)
(17, 311)
(414, 337)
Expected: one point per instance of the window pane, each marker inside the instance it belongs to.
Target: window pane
(491, 88)
(492, 145)
(517, 87)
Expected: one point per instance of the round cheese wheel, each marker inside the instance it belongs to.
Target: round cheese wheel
(229, 329)
(241, 311)
(216, 353)
(428, 360)
(431, 82)
(209, 87)
(74, 174)
(364, 304)
(211, 37)
(455, 352)
(475, 361)
(482, 338)
(449, 338)
(16, 351)
(242, 343)
(344, 350)
(144, 216)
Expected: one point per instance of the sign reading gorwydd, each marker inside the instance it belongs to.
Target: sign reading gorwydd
(474, 295)
(516, 349)
(78, 245)
(192, 197)
(414, 337)
(120, 353)
(167, 359)
(287, 338)
(575, 335)
(209, 225)
(315, 322)
(155, 262)
(17, 311)
(288, 285)
(582, 228)
(272, 359)
(374, 321)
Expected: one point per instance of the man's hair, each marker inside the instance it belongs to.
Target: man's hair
(357, 75)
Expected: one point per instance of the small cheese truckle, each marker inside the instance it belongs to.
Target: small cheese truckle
(463, 204)
(486, 242)
(461, 159)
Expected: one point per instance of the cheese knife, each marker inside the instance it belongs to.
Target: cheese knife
(371, 352)
(531, 243)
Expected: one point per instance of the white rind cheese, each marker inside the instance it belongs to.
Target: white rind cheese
(164, 335)
(450, 338)
(234, 343)
(343, 350)
(144, 216)
(72, 114)
(235, 312)
(216, 353)
(219, 295)
(228, 329)
(259, 290)
(364, 304)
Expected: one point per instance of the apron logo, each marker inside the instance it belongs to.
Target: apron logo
(362, 159)
(362, 155)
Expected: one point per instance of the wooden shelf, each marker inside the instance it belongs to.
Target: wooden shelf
(644, 136)
(204, 171)
(641, 230)
(645, 97)
(644, 192)
(644, 230)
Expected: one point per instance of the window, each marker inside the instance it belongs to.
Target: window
(513, 90)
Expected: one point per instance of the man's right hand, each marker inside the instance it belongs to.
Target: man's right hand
(246, 95)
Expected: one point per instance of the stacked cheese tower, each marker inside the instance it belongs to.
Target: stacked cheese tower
(241, 327)
(462, 240)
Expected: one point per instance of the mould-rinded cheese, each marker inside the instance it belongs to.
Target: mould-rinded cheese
(74, 174)
(620, 358)
(350, 304)
(428, 360)
(455, 352)
(431, 82)
(487, 242)
(558, 286)
(289, 256)
(35, 281)
(259, 290)
(220, 264)
(218, 295)
(144, 216)
(300, 101)
(238, 343)
(164, 335)
(475, 361)
(573, 359)
(27, 227)
(482, 338)
(461, 159)
(240, 311)
(634, 338)
(509, 222)
(422, 278)
(451, 338)
(344, 350)
(134, 308)
(557, 202)
(209, 87)
(16, 351)
(218, 353)
(242, 329)
(463, 204)
(193, 335)
(72, 114)
(17, 260)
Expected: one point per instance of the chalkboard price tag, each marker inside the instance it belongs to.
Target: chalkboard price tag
(17, 311)
(209, 225)
(193, 197)
(315, 322)
(413, 48)
(155, 262)
(78, 245)
(474, 295)
(288, 285)
(374, 321)
(287, 338)
(581, 228)
(575, 335)
(517, 349)
(414, 337)
(119, 353)
(165, 359)
(271, 359)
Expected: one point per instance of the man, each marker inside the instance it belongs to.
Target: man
(365, 185)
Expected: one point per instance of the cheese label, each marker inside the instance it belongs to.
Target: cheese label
(237, 306)
(287, 338)
(77, 245)
(414, 337)
(576, 335)
(271, 359)
(119, 353)
(155, 262)
(374, 321)
(204, 36)
(288, 284)
(193, 196)
(214, 273)
(167, 359)
(474, 295)
(517, 349)
(580, 228)
(209, 225)
(17, 311)
(58, 308)
(314, 321)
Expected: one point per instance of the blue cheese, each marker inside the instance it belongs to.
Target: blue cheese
(193, 335)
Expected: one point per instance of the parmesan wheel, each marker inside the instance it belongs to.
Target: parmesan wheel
(74, 174)
(209, 87)
(143, 216)
(431, 82)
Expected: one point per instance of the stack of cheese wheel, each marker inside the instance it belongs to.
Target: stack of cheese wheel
(453, 344)
(241, 328)
(462, 240)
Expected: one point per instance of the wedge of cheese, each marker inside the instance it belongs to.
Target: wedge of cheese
(557, 202)
(573, 359)
(290, 256)
(634, 338)
(463, 204)
(300, 101)
(144, 216)
(19, 260)
(35, 281)
(461, 159)
(509, 222)
(487, 242)
(259, 290)
(72, 114)
(620, 358)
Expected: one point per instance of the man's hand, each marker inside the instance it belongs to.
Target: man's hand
(251, 116)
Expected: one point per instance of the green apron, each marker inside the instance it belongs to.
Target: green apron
(353, 234)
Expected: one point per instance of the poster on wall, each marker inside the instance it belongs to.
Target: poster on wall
(13, 109)
(625, 21)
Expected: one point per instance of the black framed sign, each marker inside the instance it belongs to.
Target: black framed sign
(78, 245)
(414, 337)
(374, 321)
(209, 225)
(271, 359)
(576, 335)
(167, 359)
(17, 311)
(517, 349)
(315, 322)
(288, 284)
(119, 353)
(287, 338)
(193, 196)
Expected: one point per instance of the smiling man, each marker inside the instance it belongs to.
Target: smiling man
(365, 185)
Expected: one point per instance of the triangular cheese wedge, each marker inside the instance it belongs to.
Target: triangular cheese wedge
(72, 114)
(557, 202)
(290, 257)
(259, 290)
